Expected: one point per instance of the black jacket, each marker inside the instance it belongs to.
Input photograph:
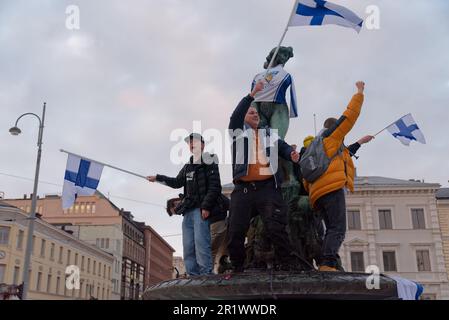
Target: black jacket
(240, 156)
(201, 182)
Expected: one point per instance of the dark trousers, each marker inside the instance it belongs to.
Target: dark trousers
(332, 209)
(249, 200)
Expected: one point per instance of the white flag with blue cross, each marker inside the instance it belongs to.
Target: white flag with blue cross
(81, 179)
(406, 130)
(320, 12)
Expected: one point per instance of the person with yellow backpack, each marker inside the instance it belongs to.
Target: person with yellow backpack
(328, 170)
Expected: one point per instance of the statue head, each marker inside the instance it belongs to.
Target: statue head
(282, 56)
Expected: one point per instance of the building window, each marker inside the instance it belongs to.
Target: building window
(49, 283)
(418, 219)
(2, 272)
(82, 207)
(88, 265)
(88, 208)
(106, 243)
(60, 255)
(104, 271)
(4, 235)
(58, 285)
(97, 242)
(69, 253)
(16, 275)
(39, 281)
(82, 263)
(77, 208)
(354, 220)
(95, 267)
(102, 243)
(33, 244)
(389, 261)
(43, 243)
(52, 251)
(357, 262)
(423, 260)
(76, 259)
(99, 269)
(20, 236)
(385, 222)
(93, 208)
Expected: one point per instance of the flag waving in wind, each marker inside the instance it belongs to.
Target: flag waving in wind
(81, 179)
(320, 12)
(406, 130)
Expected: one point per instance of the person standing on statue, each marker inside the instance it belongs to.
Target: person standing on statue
(271, 102)
(257, 183)
(327, 192)
(202, 187)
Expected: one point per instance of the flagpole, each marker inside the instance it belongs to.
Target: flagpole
(105, 164)
(389, 125)
(283, 36)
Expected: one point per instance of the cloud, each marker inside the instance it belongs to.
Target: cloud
(136, 70)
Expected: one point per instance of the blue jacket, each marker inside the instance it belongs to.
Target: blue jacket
(241, 135)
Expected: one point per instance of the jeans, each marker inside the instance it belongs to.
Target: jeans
(332, 207)
(196, 243)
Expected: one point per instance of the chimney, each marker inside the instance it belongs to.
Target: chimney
(24, 196)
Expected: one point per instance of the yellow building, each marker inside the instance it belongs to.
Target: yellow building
(442, 196)
(53, 251)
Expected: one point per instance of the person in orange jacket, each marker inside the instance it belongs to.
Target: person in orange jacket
(327, 193)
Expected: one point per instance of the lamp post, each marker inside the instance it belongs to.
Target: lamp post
(16, 131)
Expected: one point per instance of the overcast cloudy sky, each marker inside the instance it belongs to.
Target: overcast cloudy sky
(135, 70)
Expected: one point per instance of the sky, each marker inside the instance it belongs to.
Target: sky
(135, 71)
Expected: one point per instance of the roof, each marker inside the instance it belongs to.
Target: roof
(383, 181)
(6, 205)
(379, 181)
(442, 193)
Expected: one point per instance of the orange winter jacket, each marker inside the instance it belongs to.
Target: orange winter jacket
(340, 172)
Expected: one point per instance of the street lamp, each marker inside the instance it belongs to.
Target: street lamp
(16, 131)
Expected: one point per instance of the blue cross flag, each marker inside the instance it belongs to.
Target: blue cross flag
(81, 179)
(320, 12)
(406, 130)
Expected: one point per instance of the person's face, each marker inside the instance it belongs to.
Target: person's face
(252, 118)
(196, 146)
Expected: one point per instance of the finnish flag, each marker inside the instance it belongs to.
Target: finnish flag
(408, 290)
(406, 130)
(320, 12)
(81, 179)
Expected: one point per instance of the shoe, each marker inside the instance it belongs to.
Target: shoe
(327, 269)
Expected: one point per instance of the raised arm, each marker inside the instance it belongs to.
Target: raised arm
(349, 117)
(238, 116)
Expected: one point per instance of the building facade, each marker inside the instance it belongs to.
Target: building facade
(54, 254)
(394, 225)
(108, 238)
(442, 196)
(96, 220)
(133, 265)
(159, 260)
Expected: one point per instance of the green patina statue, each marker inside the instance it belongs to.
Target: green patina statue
(302, 223)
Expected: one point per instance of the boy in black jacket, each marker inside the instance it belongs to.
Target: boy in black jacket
(202, 186)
